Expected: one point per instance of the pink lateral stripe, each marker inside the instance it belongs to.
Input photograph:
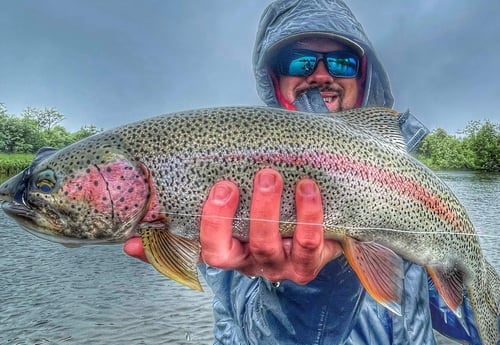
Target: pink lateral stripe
(339, 164)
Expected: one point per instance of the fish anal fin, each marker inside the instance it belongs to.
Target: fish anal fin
(449, 283)
(379, 269)
(172, 255)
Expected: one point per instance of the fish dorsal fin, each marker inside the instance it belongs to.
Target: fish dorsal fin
(378, 121)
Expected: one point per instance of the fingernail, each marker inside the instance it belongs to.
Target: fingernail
(307, 188)
(266, 181)
(221, 193)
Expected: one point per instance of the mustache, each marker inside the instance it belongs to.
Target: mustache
(327, 88)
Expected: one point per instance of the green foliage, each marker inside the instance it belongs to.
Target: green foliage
(18, 135)
(85, 131)
(11, 164)
(36, 128)
(3, 109)
(484, 141)
(478, 149)
(56, 137)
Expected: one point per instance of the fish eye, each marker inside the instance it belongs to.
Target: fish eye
(46, 181)
(45, 186)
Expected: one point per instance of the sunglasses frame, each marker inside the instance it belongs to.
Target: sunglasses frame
(284, 58)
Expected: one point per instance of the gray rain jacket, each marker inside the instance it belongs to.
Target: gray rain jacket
(334, 308)
(284, 21)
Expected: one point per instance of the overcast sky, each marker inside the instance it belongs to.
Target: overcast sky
(108, 62)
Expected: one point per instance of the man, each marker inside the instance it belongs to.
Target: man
(313, 56)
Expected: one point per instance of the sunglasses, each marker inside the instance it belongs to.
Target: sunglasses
(303, 62)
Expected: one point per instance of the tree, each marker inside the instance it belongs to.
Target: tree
(57, 137)
(439, 150)
(18, 135)
(3, 109)
(84, 132)
(46, 118)
(484, 141)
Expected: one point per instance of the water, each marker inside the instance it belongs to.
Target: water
(50, 294)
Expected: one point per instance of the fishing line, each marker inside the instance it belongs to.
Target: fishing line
(454, 233)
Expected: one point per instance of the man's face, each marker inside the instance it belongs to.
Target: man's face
(338, 93)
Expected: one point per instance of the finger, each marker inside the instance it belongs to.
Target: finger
(134, 248)
(218, 247)
(308, 242)
(264, 239)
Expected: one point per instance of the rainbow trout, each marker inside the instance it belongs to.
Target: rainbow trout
(151, 178)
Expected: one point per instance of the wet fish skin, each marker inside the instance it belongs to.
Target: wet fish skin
(152, 177)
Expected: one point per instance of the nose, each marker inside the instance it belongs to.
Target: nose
(320, 76)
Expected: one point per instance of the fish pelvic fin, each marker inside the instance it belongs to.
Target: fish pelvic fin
(172, 255)
(450, 284)
(380, 270)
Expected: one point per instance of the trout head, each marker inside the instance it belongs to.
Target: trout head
(78, 196)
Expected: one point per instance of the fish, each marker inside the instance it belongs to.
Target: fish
(150, 179)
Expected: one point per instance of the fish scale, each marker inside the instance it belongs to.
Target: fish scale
(379, 202)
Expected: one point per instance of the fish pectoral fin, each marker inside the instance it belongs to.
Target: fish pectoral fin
(173, 256)
(380, 270)
(449, 284)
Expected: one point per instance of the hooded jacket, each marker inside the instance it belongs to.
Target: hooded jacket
(286, 21)
(333, 308)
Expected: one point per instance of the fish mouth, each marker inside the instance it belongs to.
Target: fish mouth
(30, 219)
(27, 218)
(21, 213)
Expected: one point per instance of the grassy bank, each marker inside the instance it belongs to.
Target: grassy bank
(11, 164)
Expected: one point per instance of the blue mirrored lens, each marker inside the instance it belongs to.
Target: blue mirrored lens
(342, 66)
(302, 66)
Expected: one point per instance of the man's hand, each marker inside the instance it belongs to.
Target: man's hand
(266, 254)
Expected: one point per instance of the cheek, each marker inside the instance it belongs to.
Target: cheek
(288, 86)
(351, 92)
(87, 190)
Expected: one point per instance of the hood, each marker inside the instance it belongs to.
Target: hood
(286, 20)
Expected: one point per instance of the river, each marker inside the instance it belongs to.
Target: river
(50, 294)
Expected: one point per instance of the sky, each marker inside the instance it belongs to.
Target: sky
(110, 62)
